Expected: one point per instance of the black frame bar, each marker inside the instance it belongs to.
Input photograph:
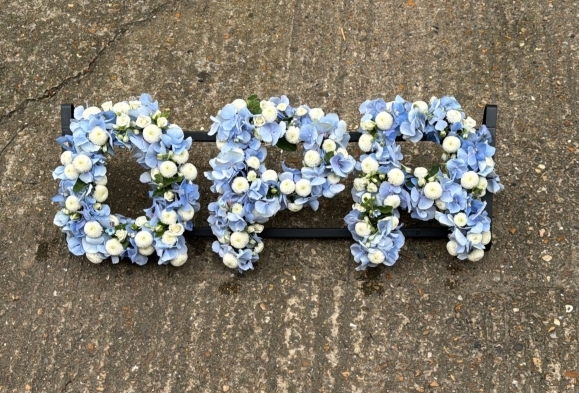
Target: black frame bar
(490, 116)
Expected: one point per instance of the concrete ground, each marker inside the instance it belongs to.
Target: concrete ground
(304, 320)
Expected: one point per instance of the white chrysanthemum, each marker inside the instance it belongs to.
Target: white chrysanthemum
(230, 261)
(134, 104)
(143, 239)
(93, 229)
(360, 183)
(476, 255)
(451, 144)
(475, 238)
(72, 203)
(186, 215)
(82, 163)
(237, 208)
(258, 228)
(486, 237)
(469, 180)
(141, 220)
(169, 196)
(433, 190)
(123, 121)
(114, 220)
(251, 176)
(98, 136)
(258, 248)
(482, 183)
(143, 121)
(420, 172)
(460, 219)
(114, 247)
(154, 172)
(162, 122)
(365, 142)
(421, 182)
(121, 234)
(253, 162)
(469, 123)
(372, 187)
(66, 158)
(343, 152)
(293, 207)
(176, 229)
(91, 110)
(395, 221)
(239, 104)
(180, 158)
(384, 120)
(107, 106)
(189, 171)
(316, 113)
(312, 158)
(282, 106)
(451, 247)
(168, 217)
(366, 197)
(362, 229)
(357, 206)
(152, 133)
(392, 200)
(333, 178)
(287, 186)
(377, 256)
(266, 104)
(103, 181)
(301, 111)
(432, 99)
(258, 121)
(239, 239)
(101, 193)
(303, 187)
(367, 125)
(329, 145)
(168, 238)
(179, 260)
(421, 105)
(269, 175)
(453, 116)
(292, 135)
(440, 205)
(94, 258)
(146, 251)
(121, 107)
(240, 185)
(490, 162)
(168, 169)
(270, 113)
(395, 177)
(369, 165)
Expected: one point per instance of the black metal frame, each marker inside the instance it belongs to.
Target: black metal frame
(489, 119)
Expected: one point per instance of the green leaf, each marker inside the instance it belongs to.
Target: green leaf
(79, 186)
(433, 170)
(252, 98)
(159, 178)
(253, 105)
(409, 184)
(328, 156)
(283, 144)
(384, 209)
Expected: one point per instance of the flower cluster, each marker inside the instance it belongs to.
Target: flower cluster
(450, 191)
(161, 148)
(250, 193)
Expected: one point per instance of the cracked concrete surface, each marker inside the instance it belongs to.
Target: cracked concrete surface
(304, 320)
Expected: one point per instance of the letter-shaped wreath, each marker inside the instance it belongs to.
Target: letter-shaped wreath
(450, 191)
(161, 148)
(251, 193)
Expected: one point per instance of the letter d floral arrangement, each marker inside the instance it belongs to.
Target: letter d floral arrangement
(450, 191)
(160, 148)
(250, 193)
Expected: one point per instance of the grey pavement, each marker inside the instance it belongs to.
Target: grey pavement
(304, 320)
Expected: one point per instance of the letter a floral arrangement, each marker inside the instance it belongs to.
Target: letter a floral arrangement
(90, 227)
(450, 191)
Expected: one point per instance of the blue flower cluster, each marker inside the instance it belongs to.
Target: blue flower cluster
(449, 191)
(90, 227)
(250, 193)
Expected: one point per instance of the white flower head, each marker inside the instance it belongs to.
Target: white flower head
(282, 106)
(392, 200)
(143, 239)
(66, 158)
(420, 172)
(146, 251)
(475, 238)
(237, 208)
(376, 257)
(460, 219)
(266, 104)
(259, 121)
(365, 142)
(451, 247)
(453, 116)
(239, 104)
(121, 107)
(490, 162)
(123, 121)
(366, 197)
(258, 228)
(240, 185)
(93, 229)
(287, 186)
(258, 248)
(421, 105)
(134, 104)
(114, 247)
(162, 122)
(421, 182)
(70, 172)
(189, 171)
(141, 220)
(82, 163)
(91, 110)
(303, 187)
(169, 196)
(152, 133)
(440, 205)
(98, 136)
(367, 125)
(168, 238)
(239, 240)
(486, 237)
(360, 183)
(251, 176)
(168, 217)
(269, 175)
(101, 193)
(329, 145)
(143, 121)
(469, 180)
(384, 120)
(395, 221)
(269, 113)
(312, 158)
(102, 181)
(333, 178)
(433, 190)
(396, 177)
(168, 169)
(372, 187)
(176, 229)
(114, 220)
(230, 261)
(94, 258)
(476, 255)
(301, 111)
(253, 162)
(482, 183)
(292, 135)
(316, 113)
(469, 123)
(107, 106)
(343, 152)
(293, 207)
(362, 229)
(180, 158)
(369, 165)
(451, 144)
(72, 203)
(179, 260)
(186, 215)
(121, 234)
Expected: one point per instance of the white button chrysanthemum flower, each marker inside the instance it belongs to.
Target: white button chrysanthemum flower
(476, 255)
(293, 135)
(384, 120)
(333, 178)
(287, 186)
(72, 203)
(366, 197)
(186, 215)
(146, 251)
(420, 172)
(101, 193)
(240, 185)
(180, 158)
(440, 205)
(469, 180)
(168, 169)
(367, 125)
(237, 208)
(152, 133)
(176, 229)
(451, 247)
(475, 238)
(93, 229)
(82, 163)
(91, 110)
(433, 190)
(312, 158)
(392, 200)
(486, 238)
(396, 177)
(168, 217)
(179, 260)
(329, 145)
(270, 113)
(239, 104)
(377, 256)
(266, 104)
(258, 248)
(143, 121)
(372, 187)
(258, 228)
(114, 247)
(301, 111)
(168, 238)
(114, 220)
(103, 181)
(66, 158)
(303, 187)
(482, 183)
(451, 144)
(360, 184)
(421, 105)
(362, 229)
(162, 122)
(282, 106)
(134, 104)
(469, 123)
(269, 175)
(421, 182)
(369, 165)
(253, 162)
(123, 121)
(121, 234)
(94, 258)
(189, 171)
(316, 113)
(293, 207)
(230, 261)
(490, 162)
(395, 221)
(453, 116)
(143, 239)
(357, 206)
(239, 239)
(365, 142)
(169, 196)
(251, 176)
(121, 107)
(141, 220)
(98, 136)
(460, 219)
(258, 121)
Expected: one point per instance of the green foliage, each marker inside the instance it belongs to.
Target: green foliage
(283, 144)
